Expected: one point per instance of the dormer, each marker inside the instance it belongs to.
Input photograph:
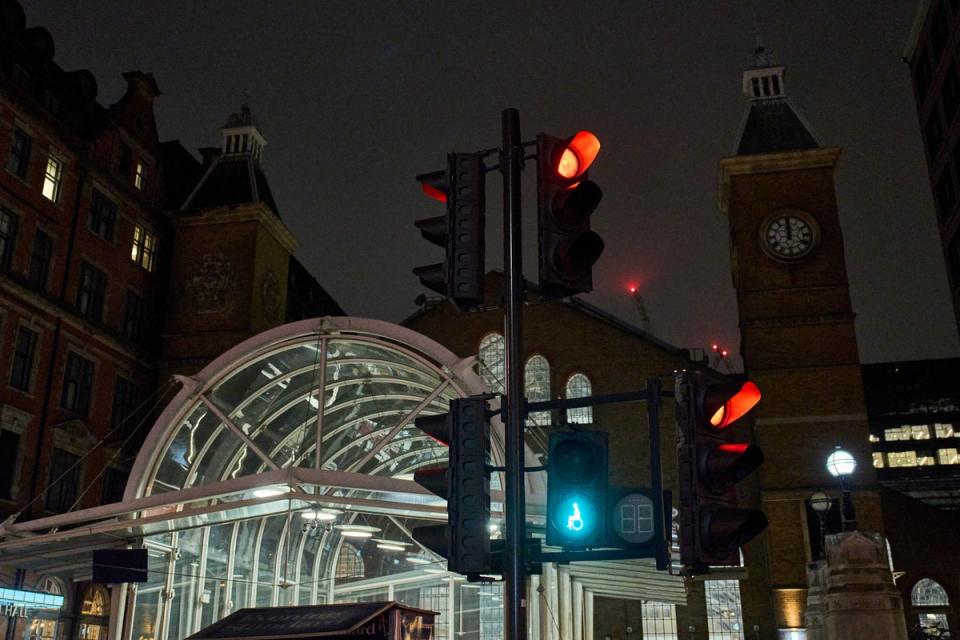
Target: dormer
(763, 80)
(241, 135)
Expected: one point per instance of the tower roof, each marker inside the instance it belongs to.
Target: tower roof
(233, 173)
(771, 124)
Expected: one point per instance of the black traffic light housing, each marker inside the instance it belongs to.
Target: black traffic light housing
(710, 462)
(565, 201)
(576, 489)
(460, 231)
(465, 484)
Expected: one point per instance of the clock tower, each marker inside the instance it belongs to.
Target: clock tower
(797, 334)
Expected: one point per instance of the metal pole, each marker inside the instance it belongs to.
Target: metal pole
(847, 513)
(511, 161)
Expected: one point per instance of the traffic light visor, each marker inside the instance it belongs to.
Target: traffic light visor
(736, 406)
(434, 184)
(578, 154)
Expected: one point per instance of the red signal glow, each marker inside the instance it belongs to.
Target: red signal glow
(578, 155)
(715, 347)
(737, 406)
(733, 448)
(632, 288)
(724, 353)
(433, 192)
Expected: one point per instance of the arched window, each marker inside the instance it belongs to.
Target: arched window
(578, 386)
(536, 385)
(350, 562)
(491, 359)
(96, 602)
(929, 593)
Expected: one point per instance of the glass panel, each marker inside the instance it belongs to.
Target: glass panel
(877, 460)
(243, 554)
(948, 456)
(928, 593)
(896, 434)
(578, 386)
(920, 432)
(268, 550)
(490, 361)
(659, 621)
(944, 430)
(536, 386)
(185, 584)
(724, 614)
(902, 459)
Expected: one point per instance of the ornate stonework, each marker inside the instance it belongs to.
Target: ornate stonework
(270, 295)
(211, 285)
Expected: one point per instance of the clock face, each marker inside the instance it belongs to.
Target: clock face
(789, 236)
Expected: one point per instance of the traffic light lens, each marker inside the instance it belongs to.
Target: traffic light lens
(736, 406)
(575, 462)
(578, 155)
(569, 165)
(575, 515)
(434, 193)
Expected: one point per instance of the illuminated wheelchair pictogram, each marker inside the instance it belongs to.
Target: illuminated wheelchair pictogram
(577, 515)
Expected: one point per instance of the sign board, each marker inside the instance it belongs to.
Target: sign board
(113, 566)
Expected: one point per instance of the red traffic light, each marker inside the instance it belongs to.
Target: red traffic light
(434, 184)
(577, 155)
(725, 408)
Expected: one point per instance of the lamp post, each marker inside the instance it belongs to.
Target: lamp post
(820, 502)
(841, 464)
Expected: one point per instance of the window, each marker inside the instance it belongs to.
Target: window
(124, 161)
(133, 317)
(873, 438)
(52, 178)
(877, 460)
(929, 593)
(933, 133)
(19, 154)
(349, 562)
(950, 92)
(103, 215)
(920, 432)
(91, 292)
(724, 614)
(8, 236)
(926, 459)
(943, 430)
(77, 385)
(536, 386)
(659, 621)
(945, 195)
(140, 177)
(578, 386)
(490, 359)
(23, 353)
(126, 401)
(114, 482)
(902, 459)
(9, 450)
(896, 434)
(39, 269)
(62, 481)
(948, 456)
(144, 247)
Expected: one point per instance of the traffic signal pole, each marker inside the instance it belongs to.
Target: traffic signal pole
(511, 162)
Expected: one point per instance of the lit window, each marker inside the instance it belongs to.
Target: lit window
(925, 459)
(873, 438)
(490, 361)
(52, 179)
(877, 460)
(920, 432)
(724, 614)
(578, 386)
(140, 178)
(896, 434)
(929, 593)
(944, 430)
(536, 385)
(902, 459)
(948, 456)
(144, 247)
(659, 621)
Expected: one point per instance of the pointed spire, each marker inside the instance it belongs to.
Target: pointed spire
(761, 57)
(763, 79)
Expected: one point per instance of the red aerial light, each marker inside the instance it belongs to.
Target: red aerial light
(716, 347)
(578, 155)
(633, 288)
(433, 192)
(736, 406)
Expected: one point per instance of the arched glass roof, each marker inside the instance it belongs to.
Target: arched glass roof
(258, 407)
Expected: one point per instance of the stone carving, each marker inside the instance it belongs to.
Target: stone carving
(270, 295)
(211, 285)
(813, 617)
(859, 597)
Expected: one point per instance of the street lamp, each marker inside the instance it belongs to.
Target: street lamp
(820, 503)
(841, 464)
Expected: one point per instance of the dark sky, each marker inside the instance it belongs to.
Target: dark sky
(355, 98)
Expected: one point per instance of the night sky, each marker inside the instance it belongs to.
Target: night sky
(356, 98)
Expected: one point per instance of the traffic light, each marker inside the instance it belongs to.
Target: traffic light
(465, 484)
(710, 462)
(576, 489)
(460, 230)
(565, 200)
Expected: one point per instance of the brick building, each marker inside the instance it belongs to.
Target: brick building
(110, 281)
(933, 53)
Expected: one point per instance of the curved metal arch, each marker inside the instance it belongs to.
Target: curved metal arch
(409, 343)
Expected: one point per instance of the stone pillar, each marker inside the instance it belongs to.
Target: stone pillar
(816, 589)
(861, 600)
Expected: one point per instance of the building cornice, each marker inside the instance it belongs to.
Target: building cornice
(255, 212)
(771, 163)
